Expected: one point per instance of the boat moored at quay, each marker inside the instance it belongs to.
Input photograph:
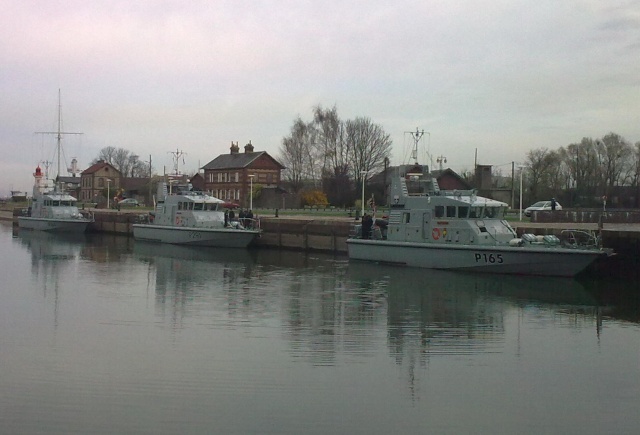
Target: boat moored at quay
(459, 230)
(193, 218)
(52, 210)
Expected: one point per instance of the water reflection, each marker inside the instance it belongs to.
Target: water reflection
(54, 257)
(450, 312)
(325, 304)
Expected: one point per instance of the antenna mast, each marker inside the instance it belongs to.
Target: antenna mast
(417, 135)
(176, 159)
(58, 133)
(416, 138)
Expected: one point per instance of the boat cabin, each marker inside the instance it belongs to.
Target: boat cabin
(422, 213)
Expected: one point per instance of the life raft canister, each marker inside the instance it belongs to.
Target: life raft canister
(435, 233)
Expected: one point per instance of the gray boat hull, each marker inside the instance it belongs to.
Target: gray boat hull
(54, 225)
(214, 237)
(481, 258)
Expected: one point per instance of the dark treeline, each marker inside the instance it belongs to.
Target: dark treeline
(581, 174)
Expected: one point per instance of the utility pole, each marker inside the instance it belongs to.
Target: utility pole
(513, 179)
(150, 177)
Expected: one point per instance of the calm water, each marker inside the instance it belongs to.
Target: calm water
(103, 335)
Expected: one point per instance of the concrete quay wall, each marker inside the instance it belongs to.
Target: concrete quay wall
(588, 216)
(286, 232)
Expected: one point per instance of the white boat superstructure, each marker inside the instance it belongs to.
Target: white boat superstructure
(52, 210)
(194, 218)
(431, 228)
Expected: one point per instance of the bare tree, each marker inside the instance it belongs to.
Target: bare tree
(614, 155)
(295, 154)
(124, 161)
(368, 146)
(536, 164)
(635, 175)
(107, 154)
(330, 139)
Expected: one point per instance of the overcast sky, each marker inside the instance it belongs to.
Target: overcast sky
(499, 77)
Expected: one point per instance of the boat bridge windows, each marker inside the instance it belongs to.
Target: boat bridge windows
(467, 212)
(57, 203)
(482, 212)
(197, 206)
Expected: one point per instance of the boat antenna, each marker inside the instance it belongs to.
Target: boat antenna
(176, 159)
(58, 133)
(417, 135)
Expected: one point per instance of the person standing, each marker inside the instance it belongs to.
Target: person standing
(367, 223)
(553, 204)
(250, 219)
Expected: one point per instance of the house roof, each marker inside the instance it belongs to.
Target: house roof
(69, 180)
(97, 166)
(438, 174)
(237, 160)
(392, 171)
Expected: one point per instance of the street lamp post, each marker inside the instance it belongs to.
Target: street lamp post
(108, 193)
(364, 175)
(521, 171)
(251, 191)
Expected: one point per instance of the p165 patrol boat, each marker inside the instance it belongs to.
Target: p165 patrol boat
(436, 229)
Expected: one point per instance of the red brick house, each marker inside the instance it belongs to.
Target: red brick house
(450, 180)
(230, 176)
(94, 181)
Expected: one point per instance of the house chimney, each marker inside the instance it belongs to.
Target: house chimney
(235, 149)
(248, 148)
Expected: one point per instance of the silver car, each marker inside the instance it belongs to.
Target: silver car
(540, 206)
(129, 202)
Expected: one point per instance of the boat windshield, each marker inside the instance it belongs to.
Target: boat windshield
(480, 212)
(204, 206)
(494, 212)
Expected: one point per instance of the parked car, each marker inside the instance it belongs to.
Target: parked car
(540, 206)
(129, 202)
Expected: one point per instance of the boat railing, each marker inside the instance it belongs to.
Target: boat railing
(88, 214)
(249, 223)
(377, 232)
(580, 239)
(459, 193)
